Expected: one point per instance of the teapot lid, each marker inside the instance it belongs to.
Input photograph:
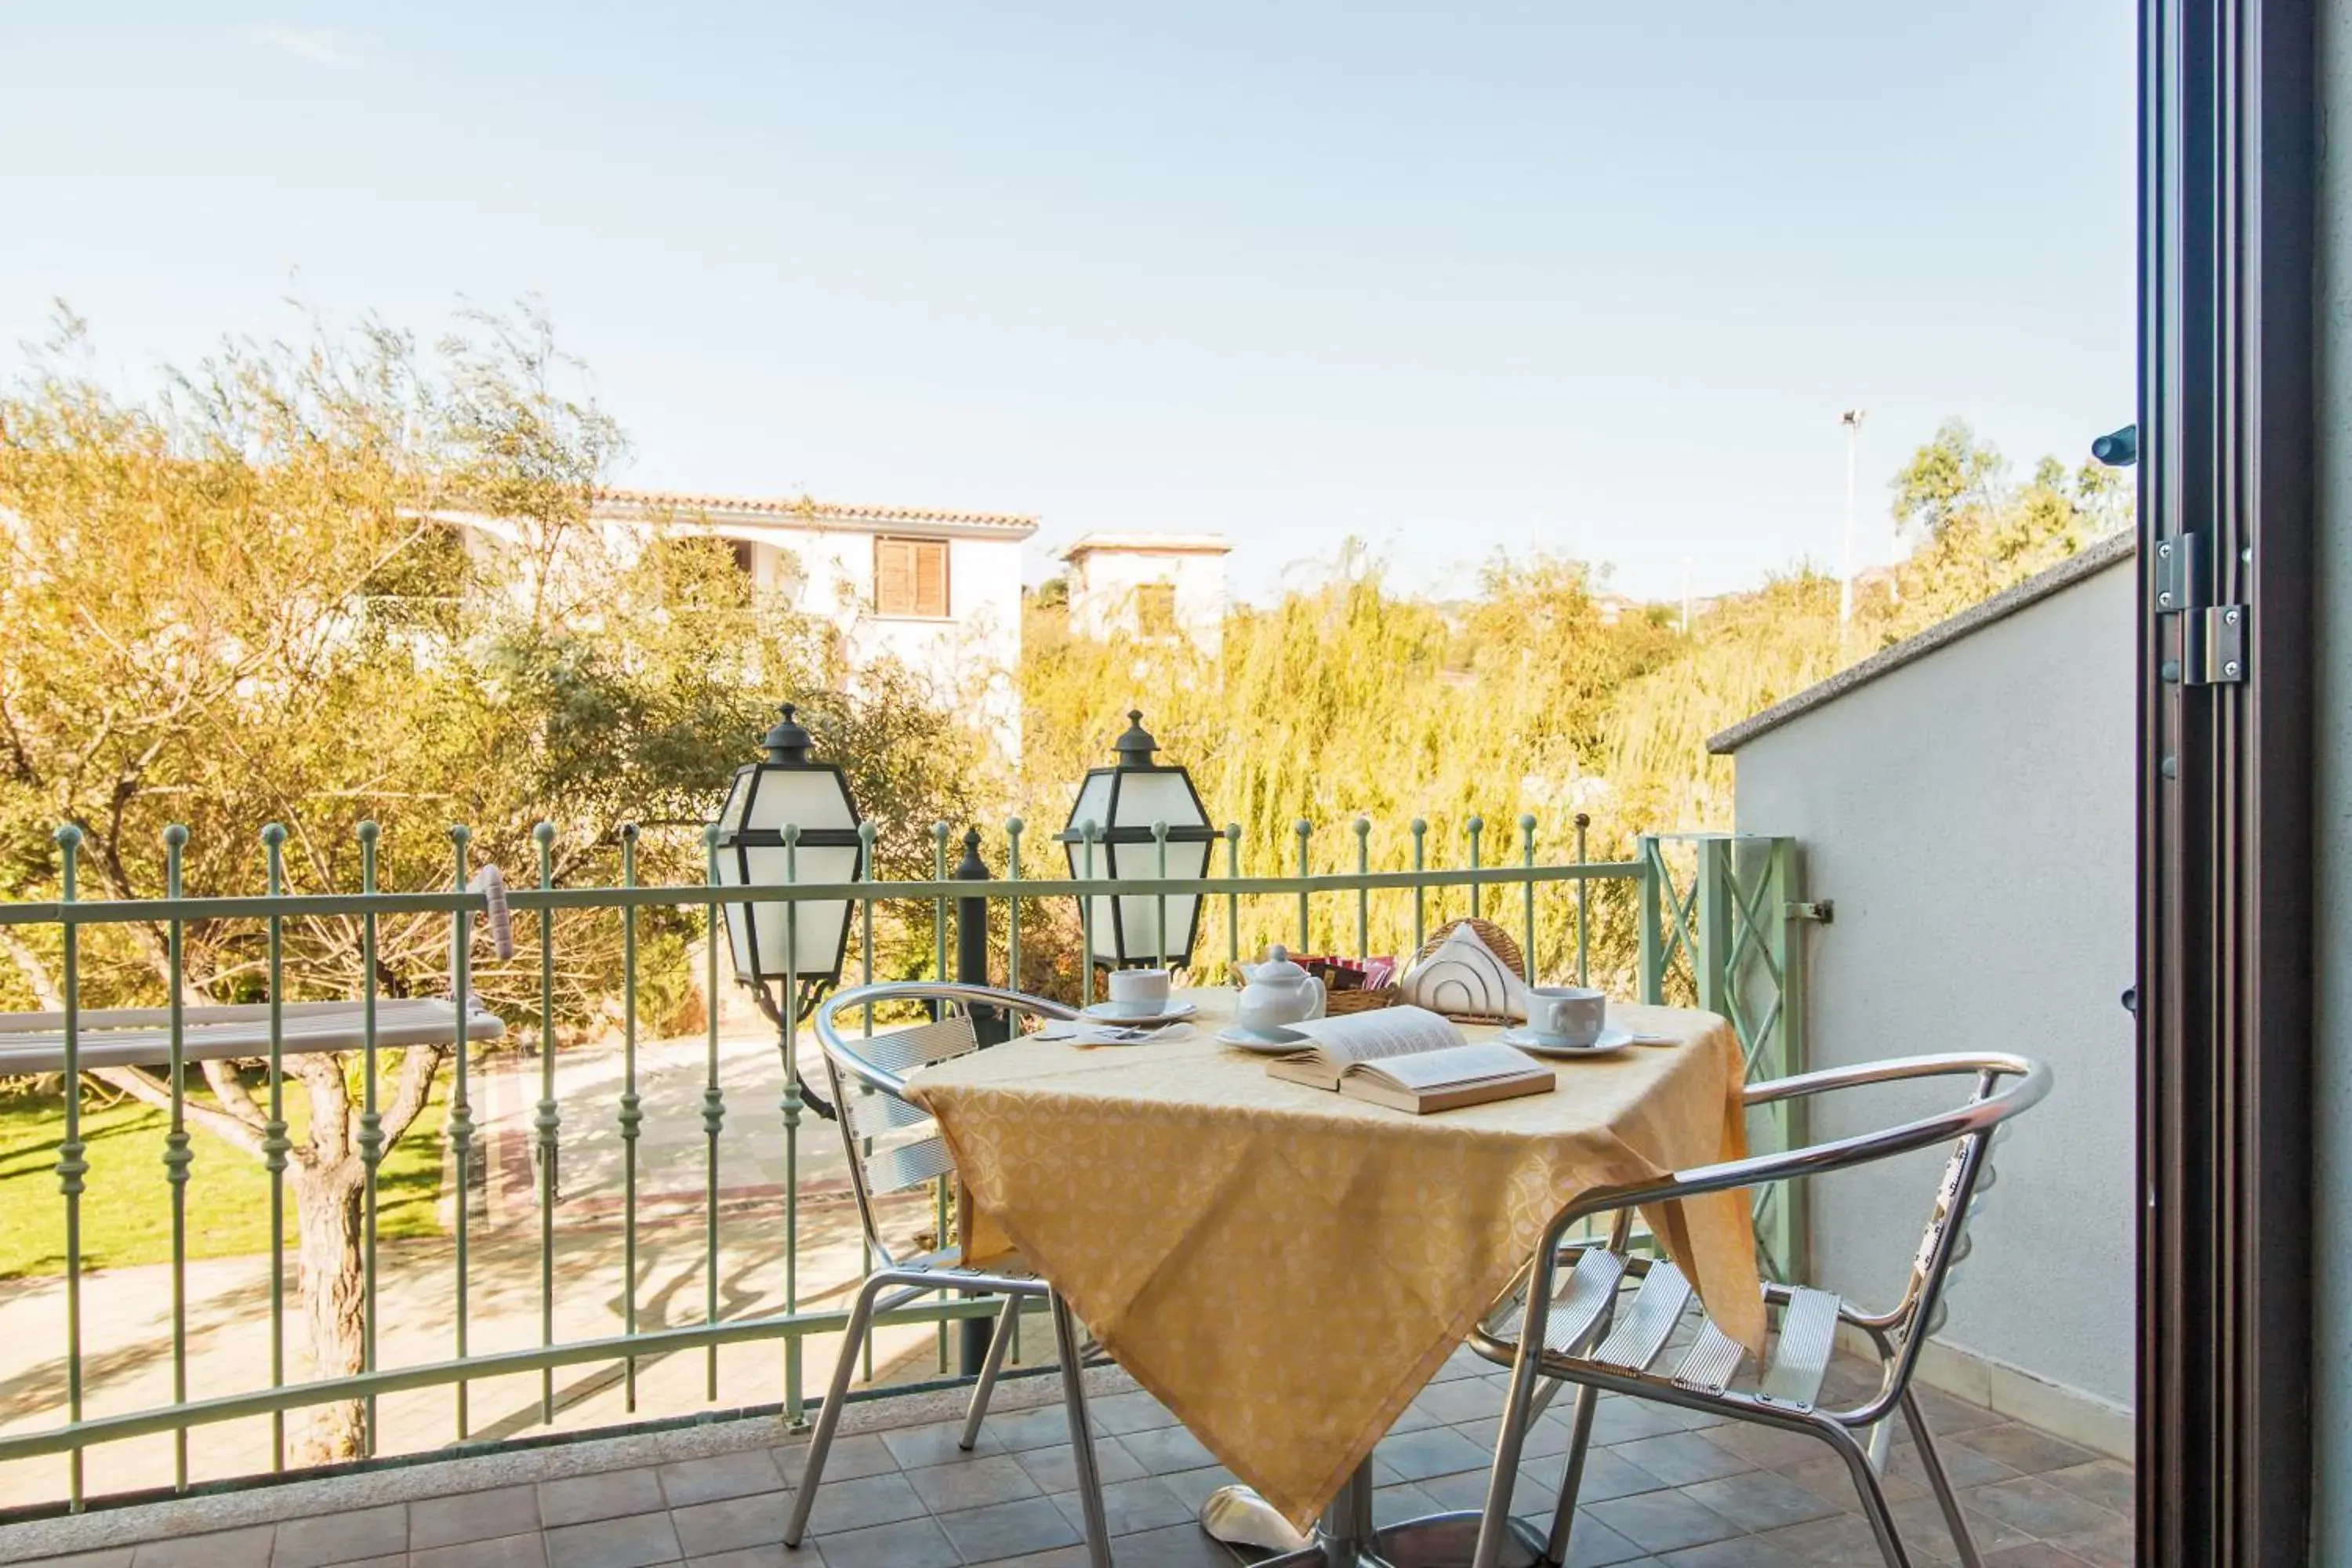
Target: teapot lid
(1278, 966)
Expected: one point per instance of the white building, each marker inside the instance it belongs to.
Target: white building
(940, 591)
(937, 591)
(1148, 585)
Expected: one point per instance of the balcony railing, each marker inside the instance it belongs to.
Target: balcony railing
(1700, 920)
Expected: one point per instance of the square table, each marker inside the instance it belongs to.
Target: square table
(1285, 1268)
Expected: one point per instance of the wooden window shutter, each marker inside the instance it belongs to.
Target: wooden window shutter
(894, 577)
(931, 578)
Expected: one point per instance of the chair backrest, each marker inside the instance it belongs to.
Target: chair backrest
(2005, 1089)
(892, 1143)
(1944, 1241)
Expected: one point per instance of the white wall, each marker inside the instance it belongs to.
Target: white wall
(1971, 814)
(1103, 585)
(969, 655)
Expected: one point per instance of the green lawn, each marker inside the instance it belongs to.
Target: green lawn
(126, 1205)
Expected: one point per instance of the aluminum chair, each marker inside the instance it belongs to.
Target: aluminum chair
(1575, 1331)
(893, 1145)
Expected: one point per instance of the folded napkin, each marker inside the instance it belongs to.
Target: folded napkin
(1090, 1035)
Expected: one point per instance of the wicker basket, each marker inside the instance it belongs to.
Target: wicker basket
(1339, 1003)
(1498, 942)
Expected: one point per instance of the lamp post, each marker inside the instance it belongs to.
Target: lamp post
(788, 818)
(1852, 419)
(1149, 825)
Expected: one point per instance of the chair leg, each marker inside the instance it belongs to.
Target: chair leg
(1933, 1463)
(1518, 1403)
(853, 1340)
(1082, 1437)
(1587, 1404)
(1571, 1480)
(1873, 1497)
(989, 1367)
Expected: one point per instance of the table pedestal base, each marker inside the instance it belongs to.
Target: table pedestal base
(1344, 1536)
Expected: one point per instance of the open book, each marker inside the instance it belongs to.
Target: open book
(1409, 1058)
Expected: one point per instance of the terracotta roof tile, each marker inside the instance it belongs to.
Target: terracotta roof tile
(809, 510)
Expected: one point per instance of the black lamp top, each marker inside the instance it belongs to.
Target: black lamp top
(789, 742)
(1135, 747)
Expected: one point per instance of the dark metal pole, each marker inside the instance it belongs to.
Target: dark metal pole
(990, 1025)
(2226, 439)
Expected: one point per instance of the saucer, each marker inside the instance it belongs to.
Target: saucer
(1143, 1014)
(1611, 1042)
(1269, 1040)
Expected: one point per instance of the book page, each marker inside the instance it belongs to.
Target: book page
(1378, 1034)
(1450, 1067)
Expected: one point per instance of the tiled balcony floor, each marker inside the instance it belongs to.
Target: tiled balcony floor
(1659, 1488)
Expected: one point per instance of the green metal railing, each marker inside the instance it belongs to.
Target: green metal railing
(1718, 932)
(1709, 913)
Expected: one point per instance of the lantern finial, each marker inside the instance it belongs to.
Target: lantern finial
(1135, 747)
(789, 742)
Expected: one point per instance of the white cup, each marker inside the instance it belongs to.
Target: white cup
(1140, 989)
(1567, 1015)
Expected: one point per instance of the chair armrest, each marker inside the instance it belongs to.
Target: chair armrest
(1978, 1116)
(844, 1055)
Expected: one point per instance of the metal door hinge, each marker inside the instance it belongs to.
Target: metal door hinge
(2179, 575)
(1824, 910)
(2213, 646)
(2212, 636)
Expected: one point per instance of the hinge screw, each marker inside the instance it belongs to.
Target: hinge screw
(2164, 598)
(2164, 552)
(2230, 617)
(2230, 667)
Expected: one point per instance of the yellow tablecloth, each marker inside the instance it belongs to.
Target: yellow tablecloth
(1285, 1268)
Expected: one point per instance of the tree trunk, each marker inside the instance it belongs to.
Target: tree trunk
(326, 1216)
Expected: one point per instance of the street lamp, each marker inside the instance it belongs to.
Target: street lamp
(1852, 419)
(1148, 824)
(787, 819)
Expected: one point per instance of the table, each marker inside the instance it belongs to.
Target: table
(1284, 1267)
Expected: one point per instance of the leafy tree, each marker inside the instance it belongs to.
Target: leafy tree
(1345, 697)
(353, 579)
(1976, 530)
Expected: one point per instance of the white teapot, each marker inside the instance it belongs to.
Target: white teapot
(1279, 993)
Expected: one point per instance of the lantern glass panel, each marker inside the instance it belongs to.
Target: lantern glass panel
(758, 934)
(739, 796)
(1137, 931)
(1145, 797)
(808, 797)
(1094, 806)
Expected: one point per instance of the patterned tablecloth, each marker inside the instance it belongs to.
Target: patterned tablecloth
(1284, 1267)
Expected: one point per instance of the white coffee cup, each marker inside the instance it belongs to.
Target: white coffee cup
(1140, 988)
(1567, 1015)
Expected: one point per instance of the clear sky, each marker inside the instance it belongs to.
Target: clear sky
(1586, 277)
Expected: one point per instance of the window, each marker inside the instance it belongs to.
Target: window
(910, 578)
(1155, 609)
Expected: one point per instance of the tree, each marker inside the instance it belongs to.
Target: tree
(354, 580)
(1976, 530)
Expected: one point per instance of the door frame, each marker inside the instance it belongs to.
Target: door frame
(2229, 172)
